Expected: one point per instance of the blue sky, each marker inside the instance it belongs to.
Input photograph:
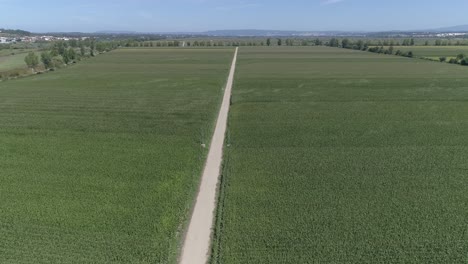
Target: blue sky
(201, 15)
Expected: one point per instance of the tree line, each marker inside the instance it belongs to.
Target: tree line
(66, 52)
(223, 43)
(333, 42)
(461, 59)
(365, 46)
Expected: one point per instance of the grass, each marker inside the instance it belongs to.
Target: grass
(9, 62)
(339, 156)
(100, 162)
(435, 52)
(7, 52)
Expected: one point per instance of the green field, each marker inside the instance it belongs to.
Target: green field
(435, 51)
(99, 162)
(10, 62)
(7, 52)
(339, 156)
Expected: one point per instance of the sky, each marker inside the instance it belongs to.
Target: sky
(203, 15)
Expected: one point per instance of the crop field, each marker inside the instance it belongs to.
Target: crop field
(100, 162)
(339, 156)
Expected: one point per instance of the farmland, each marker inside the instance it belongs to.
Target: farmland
(100, 161)
(435, 52)
(18, 50)
(13, 49)
(339, 156)
(9, 62)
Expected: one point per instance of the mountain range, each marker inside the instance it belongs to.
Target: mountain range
(262, 33)
(277, 33)
(460, 28)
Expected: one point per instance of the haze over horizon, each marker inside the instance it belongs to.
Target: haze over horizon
(204, 15)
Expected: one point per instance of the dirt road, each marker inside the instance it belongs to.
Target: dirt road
(198, 238)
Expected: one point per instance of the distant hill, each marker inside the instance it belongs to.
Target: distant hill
(250, 32)
(237, 33)
(116, 32)
(257, 33)
(16, 32)
(460, 28)
(272, 33)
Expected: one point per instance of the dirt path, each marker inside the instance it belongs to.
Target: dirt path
(198, 238)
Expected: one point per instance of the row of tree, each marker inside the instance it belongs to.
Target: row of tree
(333, 42)
(222, 43)
(364, 46)
(65, 52)
(461, 59)
(390, 51)
(440, 42)
(50, 59)
(134, 43)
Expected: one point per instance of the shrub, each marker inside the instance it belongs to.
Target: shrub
(46, 59)
(14, 74)
(460, 56)
(443, 59)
